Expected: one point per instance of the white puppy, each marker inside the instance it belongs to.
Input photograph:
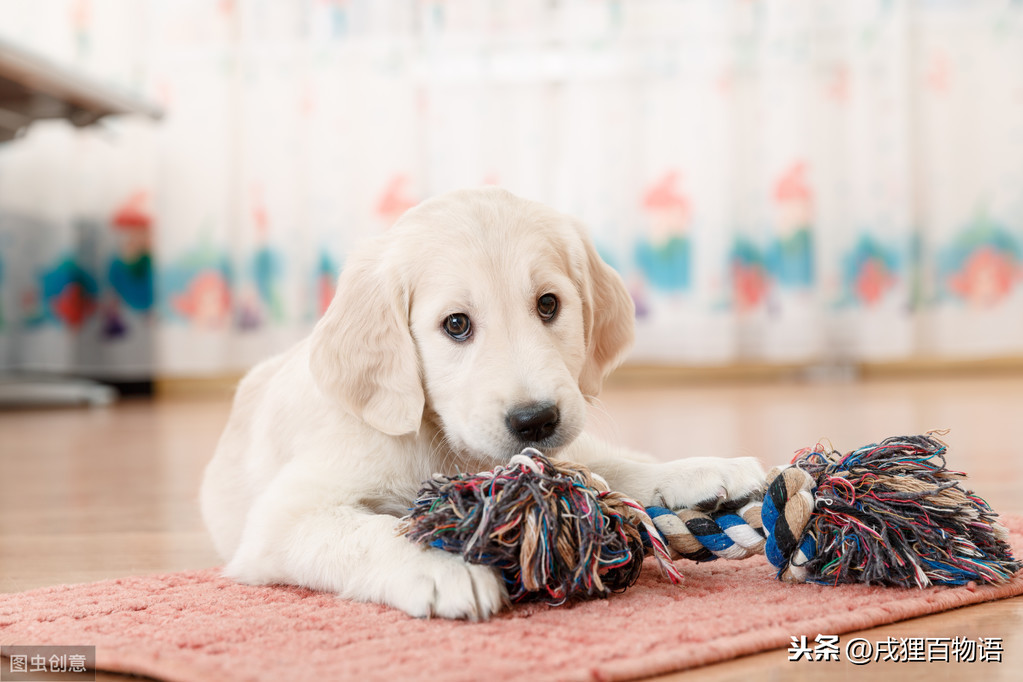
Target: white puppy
(477, 325)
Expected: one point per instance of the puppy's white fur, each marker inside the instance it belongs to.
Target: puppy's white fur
(328, 442)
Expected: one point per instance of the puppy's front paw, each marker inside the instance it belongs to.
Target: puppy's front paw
(441, 584)
(708, 483)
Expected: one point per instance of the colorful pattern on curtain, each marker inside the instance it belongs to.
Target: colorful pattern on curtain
(776, 180)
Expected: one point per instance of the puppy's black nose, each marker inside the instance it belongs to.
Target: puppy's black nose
(533, 422)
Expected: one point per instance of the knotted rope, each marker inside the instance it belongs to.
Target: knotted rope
(553, 530)
(889, 513)
(773, 526)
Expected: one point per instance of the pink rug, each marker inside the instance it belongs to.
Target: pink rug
(196, 626)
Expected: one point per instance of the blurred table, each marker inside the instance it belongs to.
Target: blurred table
(33, 87)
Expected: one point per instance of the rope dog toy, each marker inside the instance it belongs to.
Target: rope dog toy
(889, 513)
(554, 531)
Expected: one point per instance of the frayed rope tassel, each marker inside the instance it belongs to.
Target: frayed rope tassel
(554, 531)
(889, 514)
(885, 514)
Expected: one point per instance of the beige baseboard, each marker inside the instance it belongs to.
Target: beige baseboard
(212, 386)
(925, 366)
(223, 385)
(645, 374)
(632, 374)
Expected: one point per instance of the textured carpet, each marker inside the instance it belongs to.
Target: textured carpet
(196, 626)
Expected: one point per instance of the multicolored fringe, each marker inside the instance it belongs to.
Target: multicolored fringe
(885, 514)
(893, 514)
(888, 514)
(554, 532)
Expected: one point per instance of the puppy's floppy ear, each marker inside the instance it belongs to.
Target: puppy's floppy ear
(608, 318)
(362, 350)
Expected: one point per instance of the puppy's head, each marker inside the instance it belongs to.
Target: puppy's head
(491, 315)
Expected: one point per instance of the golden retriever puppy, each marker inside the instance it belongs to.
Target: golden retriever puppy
(478, 325)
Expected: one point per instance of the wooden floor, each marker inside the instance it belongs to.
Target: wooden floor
(87, 494)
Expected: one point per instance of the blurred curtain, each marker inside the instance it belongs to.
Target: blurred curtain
(777, 180)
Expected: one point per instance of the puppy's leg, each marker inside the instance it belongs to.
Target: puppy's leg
(704, 483)
(298, 532)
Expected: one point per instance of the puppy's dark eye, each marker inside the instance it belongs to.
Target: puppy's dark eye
(458, 326)
(547, 306)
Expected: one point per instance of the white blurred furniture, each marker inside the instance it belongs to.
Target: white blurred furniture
(33, 87)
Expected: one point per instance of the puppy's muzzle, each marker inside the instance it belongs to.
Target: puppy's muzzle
(533, 422)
